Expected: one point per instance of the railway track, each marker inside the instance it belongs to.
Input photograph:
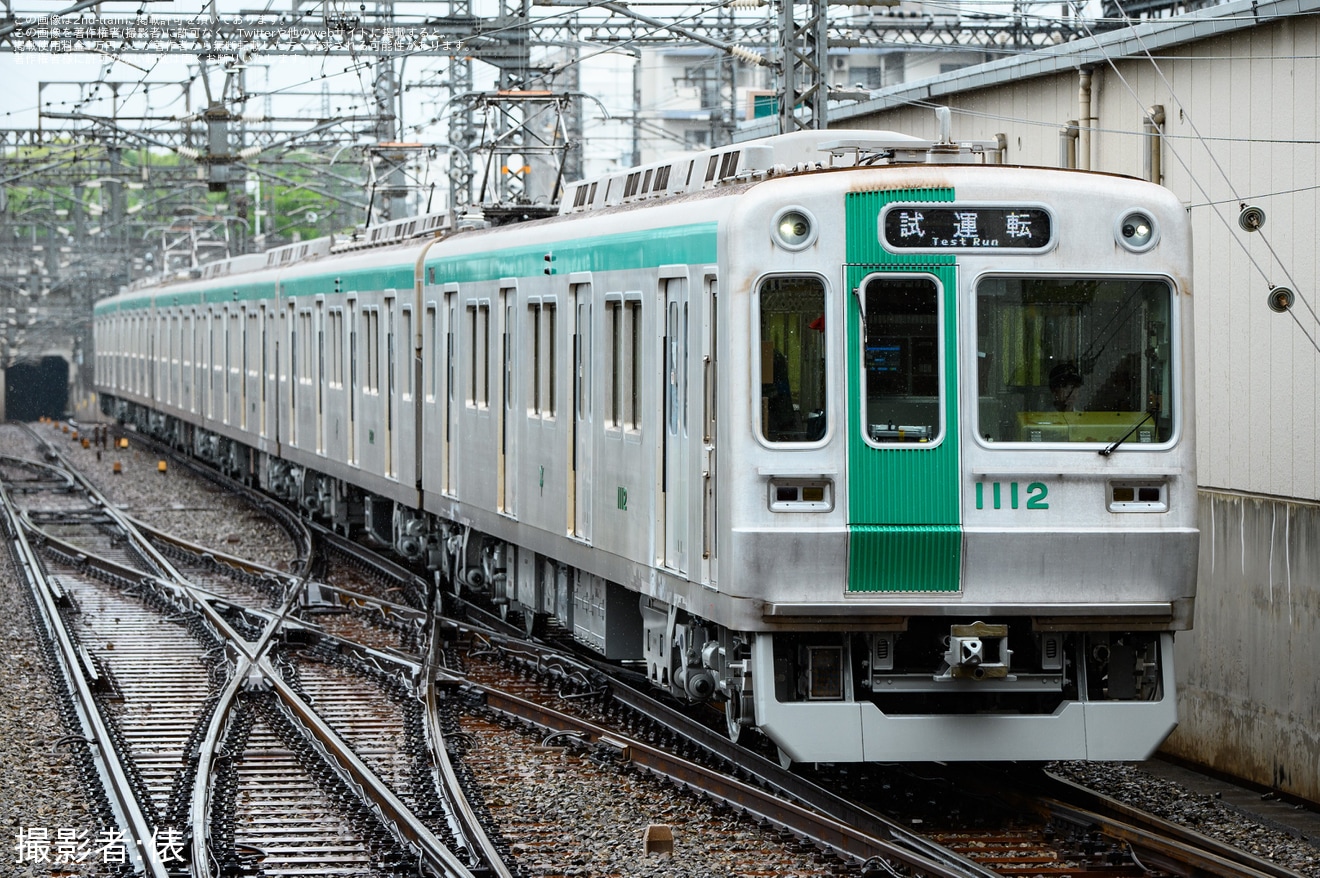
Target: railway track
(213, 761)
(322, 690)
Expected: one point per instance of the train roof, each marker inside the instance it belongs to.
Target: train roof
(687, 176)
(781, 155)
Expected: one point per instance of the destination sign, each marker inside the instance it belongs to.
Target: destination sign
(931, 227)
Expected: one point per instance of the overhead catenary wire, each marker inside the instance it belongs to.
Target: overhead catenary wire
(1214, 161)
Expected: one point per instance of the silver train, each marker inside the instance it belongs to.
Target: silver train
(881, 446)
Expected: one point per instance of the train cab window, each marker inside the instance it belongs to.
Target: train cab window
(1074, 360)
(792, 358)
(901, 361)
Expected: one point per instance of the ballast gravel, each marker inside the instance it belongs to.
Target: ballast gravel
(40, 788)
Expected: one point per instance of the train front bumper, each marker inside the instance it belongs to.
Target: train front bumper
(856, 731)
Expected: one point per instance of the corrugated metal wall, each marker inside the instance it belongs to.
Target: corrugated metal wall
(1240, 127)
(1251, 96)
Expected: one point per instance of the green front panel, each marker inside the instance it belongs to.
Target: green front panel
(903, 501)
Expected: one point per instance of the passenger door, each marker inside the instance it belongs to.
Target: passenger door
(582, 420)
(675, 453)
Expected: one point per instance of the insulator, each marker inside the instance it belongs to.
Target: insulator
(746, 55)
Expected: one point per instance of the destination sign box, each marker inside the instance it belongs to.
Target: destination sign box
(940, 227)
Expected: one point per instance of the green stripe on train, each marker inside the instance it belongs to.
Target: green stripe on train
(649, 248)
(904, 517)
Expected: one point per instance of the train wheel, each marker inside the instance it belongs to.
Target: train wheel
(732, 722)
(534, 624)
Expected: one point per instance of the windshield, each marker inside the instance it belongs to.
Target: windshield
(1074, 359)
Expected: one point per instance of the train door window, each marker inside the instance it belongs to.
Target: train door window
(215, 354)
(407, 359)
(479, 352)
(291, 368)
(541, 363)
(432, 348)
(683, 368)
(251, 342)
(623, 321)
(391, 362)
(234, 355)
(371, 350)
(354, 370)
(451, 394)
(1074, 359)
(901, 363)
(506, 347)
(534, 331)
(632, 311)
(614, 390)
(791, 352)
(246, 372)
(179, 355)
(305, 338)
(335, 348)
(195, 359)
(320, 376)
(548, 329)
(268, 377)
(391, 385)
(673, 387)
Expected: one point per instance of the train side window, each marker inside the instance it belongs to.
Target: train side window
(1070, 359)
(791, 351)
(901, 362)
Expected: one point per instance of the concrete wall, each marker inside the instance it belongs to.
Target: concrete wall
(1249, 671)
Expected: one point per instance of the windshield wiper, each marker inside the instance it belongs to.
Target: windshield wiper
(1105, 452)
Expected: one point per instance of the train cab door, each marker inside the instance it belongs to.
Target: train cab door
(675, 517)
(581, 457)
(904, 514)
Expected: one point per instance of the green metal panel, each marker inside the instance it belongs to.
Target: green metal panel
(693, 244)
(676, 245)
(399, 277)
(903, 508)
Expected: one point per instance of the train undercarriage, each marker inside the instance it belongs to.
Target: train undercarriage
(977, 685)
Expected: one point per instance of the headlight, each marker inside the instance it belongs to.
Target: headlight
(1137, 231)
(794, 228)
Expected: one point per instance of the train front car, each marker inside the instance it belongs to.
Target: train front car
(963, 484)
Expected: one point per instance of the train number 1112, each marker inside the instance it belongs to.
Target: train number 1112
(1001, 495)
